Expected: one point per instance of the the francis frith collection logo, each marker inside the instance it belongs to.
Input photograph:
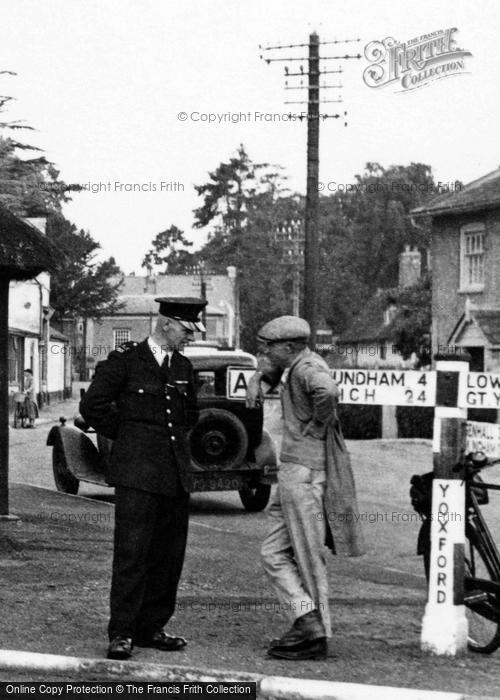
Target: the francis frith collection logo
(414, 63)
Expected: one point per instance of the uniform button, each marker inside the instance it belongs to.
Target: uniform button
(170, 425)
(141, 391)
(172, 437)
(168, 397)
(168, 410)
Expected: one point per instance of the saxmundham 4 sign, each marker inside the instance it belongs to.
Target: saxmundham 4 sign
(414, 63)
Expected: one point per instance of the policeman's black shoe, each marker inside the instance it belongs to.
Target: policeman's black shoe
(120, 648)
(162, 641)
(309, 649)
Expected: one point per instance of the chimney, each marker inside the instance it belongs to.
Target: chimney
(150, 284)
(410, 265)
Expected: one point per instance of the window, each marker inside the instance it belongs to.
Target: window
(205, 384)
(211, 326)
(15, 359)
(120, 336)
(472, 257)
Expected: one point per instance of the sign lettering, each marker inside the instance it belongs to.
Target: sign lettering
(479, 390)
(483, 437)
(386, 387)
(447, 529)
(237, 382)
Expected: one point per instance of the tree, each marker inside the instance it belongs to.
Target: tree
(28, 186)
(31, 187)
(165, 252)
(83, 286)
(412, 324)
(363, 232)
(243, 203)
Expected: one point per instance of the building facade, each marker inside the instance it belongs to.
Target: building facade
(135, 320)
(32, 343)
(465, 258)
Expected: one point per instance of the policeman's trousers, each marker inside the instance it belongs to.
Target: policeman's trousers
(293, 553)
(149, 546)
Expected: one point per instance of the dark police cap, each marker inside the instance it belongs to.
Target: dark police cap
(184, 309)
(285, 328)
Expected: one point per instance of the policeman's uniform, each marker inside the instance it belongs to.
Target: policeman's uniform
(147, 409)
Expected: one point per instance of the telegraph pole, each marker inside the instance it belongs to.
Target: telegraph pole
(311, 251)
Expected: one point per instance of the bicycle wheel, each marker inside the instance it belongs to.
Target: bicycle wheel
(482, 598)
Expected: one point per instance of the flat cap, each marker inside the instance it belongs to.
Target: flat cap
(285, 328)
(184, 309)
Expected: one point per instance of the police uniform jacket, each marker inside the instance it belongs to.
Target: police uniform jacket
(147, 411)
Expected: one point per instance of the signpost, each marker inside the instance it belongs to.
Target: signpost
(386, 387)
(479, 390)
(451, 389)
(483, 437)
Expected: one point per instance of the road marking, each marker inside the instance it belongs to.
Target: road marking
(211, 527)
(400, 571)
(61, 493)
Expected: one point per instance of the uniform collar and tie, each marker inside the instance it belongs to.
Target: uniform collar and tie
(160, 353)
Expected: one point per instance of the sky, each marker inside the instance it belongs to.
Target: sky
(104, 82)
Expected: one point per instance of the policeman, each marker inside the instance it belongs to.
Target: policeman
(143, 398)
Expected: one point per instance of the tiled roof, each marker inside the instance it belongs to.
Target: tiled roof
(483, 193)
(218, 286)
(24, 251)
(145, 304)
(138, 292)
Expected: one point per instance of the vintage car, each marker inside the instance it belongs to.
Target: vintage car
(230, 449)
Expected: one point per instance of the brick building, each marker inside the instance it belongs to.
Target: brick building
(94, 339)
(465, 259)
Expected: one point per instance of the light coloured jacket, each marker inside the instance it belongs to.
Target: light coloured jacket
(312, 437)
(309, 398)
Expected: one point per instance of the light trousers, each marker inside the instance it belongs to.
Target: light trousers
(293, 552)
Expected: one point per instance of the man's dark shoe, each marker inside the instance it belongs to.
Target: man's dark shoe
(305, 628)
(120, 648)
(312, 649)
(162, 641)
(306, 639)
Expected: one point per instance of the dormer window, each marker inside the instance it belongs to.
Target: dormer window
(472, 258)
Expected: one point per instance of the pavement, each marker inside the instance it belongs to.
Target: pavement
(55, 565)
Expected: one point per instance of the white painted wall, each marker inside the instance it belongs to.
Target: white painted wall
(55, 366)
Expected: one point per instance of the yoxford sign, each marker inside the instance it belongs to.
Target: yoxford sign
(386, 387)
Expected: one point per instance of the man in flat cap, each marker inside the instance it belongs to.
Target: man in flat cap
(143, 398)
(315, 500)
